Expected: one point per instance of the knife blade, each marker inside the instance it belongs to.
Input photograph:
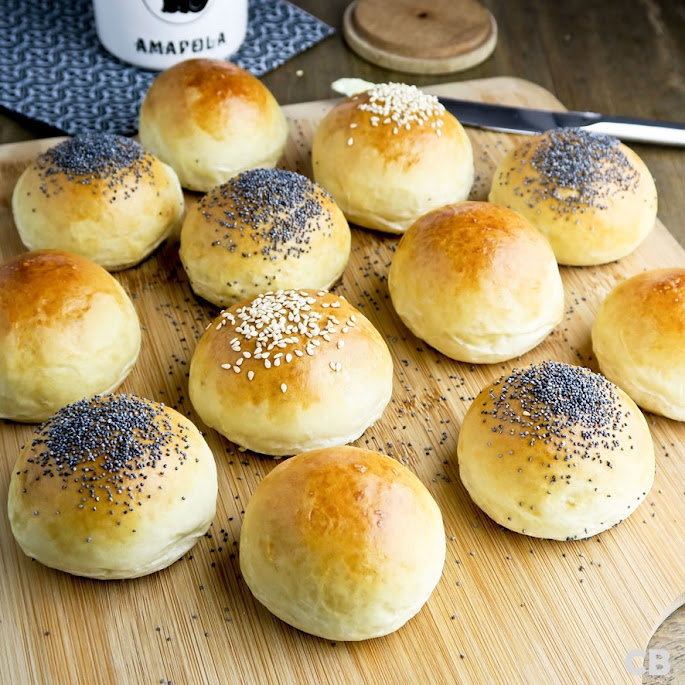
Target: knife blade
(525, 120)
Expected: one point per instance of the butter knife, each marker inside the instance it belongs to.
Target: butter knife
(525, 120)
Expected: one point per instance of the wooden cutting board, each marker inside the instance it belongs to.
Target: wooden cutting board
(508, 608)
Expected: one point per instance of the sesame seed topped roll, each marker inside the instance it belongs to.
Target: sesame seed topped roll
(591, 196)
(265, 229)
(555, 451)
(114, 486)
(288, 371)
(391, 154)
(101, 196)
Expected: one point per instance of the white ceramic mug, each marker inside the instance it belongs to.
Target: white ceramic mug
(155, 34)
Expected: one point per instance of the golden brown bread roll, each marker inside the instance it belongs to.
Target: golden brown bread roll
(265, 229)
(391, 154)
(637, 338)
(209, 120)
(555, 451)
(343, 543)
(476, 281)
(112, 487)
(67, 330)
(591, 196)
(100, 196)
(284, 372)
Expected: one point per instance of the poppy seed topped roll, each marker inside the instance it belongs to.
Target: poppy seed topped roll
(265, 229)
(591, 196)
(100, 196)
(555, 451)
(114, 486)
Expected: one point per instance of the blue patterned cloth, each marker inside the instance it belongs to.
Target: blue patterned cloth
(53, 68)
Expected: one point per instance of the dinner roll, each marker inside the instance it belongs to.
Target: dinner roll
(100, 196)
(637, 338)
(67, 330)
(555, 451)
(591, 196)
(209, 119)
(477, 282)
(342, 543)
(391, 154)
(288, 371)
(112, 487)
(265, 229)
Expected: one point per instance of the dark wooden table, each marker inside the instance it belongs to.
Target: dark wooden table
(616, 56)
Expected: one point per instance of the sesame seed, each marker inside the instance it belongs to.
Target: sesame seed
(401, 106)
(284, 387)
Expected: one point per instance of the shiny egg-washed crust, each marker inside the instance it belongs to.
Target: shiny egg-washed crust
(561, 487)
(342, 543)
(59, 523)
(209, 120)
(95, 219)
(320, 406)
(67, 330)
(637, 338)
(226, 276)
(477, 282)
(385, 180)
(587, 234)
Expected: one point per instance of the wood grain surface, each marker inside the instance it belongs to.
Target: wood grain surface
(508, 609)
(420, 36)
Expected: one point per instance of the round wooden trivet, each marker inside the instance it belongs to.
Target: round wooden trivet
(420, 36)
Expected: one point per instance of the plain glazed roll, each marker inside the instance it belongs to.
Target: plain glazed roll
(101, 196)
(391, 154)
(265, 229)
(342, 543)
(209, 120)
(637, 338)
(289, 371)
(555, 451)
(112, 487)
(477, 282)
(591, 196)
(68, 330)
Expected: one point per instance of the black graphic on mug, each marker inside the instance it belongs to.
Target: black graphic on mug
(172, 6)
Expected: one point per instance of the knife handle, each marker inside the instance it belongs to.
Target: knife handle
(663, 134)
